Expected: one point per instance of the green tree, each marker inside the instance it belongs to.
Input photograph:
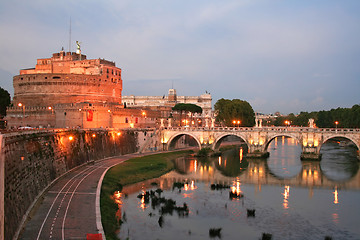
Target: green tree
(236, 109)
(187, 108)
(4, 101)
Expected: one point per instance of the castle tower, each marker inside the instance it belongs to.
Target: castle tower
(172, 95)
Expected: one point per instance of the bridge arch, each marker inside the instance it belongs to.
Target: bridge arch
(353, 140)
(273, 136)
(218, 139)
(173, 139)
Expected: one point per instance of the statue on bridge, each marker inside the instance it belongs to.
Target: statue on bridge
(311, 122)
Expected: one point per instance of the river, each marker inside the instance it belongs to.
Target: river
(292, 199)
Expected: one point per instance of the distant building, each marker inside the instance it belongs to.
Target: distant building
(167, 102)
(69, 90)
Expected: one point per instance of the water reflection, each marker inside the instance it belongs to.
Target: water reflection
(284, 160)
(338, 163)
(320, 203)
(286, 195)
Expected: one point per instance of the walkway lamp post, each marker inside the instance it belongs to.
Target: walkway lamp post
(238, 123)
(23, 112)
(234, 122)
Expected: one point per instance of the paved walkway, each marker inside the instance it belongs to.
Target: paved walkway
(70, 208)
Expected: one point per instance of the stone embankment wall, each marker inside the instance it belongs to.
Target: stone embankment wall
(33, 160)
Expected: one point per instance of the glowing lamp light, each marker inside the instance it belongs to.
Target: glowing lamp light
(94, 135)
(131, 125)
(316, 143)
(71, 138)
(119, 133)
(109, 110)
(20, 104)
(49, 108)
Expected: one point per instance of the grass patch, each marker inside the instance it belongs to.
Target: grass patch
(132, 171)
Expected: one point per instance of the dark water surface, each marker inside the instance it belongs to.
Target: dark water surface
(292, 199)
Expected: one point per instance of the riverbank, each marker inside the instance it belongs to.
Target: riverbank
(132, 171)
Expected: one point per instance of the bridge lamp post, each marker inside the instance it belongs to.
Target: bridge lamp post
(234, 122)
(336, 123)
(287, 123)
(238, 122)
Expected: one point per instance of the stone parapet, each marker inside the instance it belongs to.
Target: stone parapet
(33, 160)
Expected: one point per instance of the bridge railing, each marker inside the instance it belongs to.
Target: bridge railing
(268, 129)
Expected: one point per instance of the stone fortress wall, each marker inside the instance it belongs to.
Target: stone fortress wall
(33, 160)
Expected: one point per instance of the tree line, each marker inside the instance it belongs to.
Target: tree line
(344, 117)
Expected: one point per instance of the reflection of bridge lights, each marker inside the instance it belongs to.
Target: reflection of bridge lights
(195, 165)
(335, 217)
(236, 187)
(190, 186)
(336, 200)
(220, 160)
(142, 201)
(241, 154)
(286, 195)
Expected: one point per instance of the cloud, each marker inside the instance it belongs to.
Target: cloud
(278, 55)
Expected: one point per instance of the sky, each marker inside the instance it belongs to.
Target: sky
(279, 55)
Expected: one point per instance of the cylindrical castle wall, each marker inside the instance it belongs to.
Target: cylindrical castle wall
(51, 89)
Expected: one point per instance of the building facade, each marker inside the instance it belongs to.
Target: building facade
(169, 101)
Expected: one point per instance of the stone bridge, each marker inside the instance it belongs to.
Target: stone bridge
(258, 139)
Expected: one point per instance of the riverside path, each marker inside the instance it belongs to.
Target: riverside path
(70, 209)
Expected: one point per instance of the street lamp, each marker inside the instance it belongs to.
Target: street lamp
(336, 123)
(238, 122)
(234, 122)
(23, 111)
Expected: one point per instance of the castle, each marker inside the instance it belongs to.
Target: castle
(68, 90)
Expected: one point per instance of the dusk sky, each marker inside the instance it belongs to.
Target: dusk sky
(279, 55)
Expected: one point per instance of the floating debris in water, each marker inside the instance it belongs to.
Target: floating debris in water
(161, 221)
(218, 186)
(266, 236)
(250, 212)
(235, 195)
(215, 232)
(178, 185)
